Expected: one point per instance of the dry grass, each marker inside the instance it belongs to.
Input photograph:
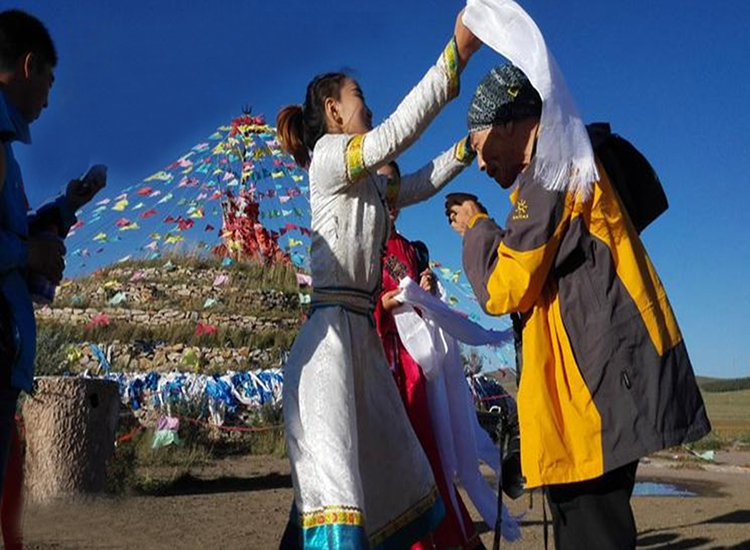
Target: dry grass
(136, 466)
(245, 274)
(729, 412)
(182, 333)
(230, 301)
(244, 294)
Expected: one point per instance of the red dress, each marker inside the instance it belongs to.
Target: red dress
(399, 260)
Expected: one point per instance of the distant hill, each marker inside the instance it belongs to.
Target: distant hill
(718, 385)
(706, 383)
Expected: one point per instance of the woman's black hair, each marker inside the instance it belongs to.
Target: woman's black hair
(299, 127)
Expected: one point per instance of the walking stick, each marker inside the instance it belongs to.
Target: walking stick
(499, 521)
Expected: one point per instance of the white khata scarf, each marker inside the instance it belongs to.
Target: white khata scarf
(432, 340)
(564, 156)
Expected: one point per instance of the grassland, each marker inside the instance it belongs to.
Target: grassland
(728, 410)
(729, 413)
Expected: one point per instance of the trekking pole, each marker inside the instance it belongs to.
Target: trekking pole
(499, 520)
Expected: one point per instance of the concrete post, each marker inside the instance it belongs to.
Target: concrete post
(70, 425)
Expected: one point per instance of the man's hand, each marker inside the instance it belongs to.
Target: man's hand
(461, 213)
(45, 257)
(427, 281)
(389, 300)
(80, 192)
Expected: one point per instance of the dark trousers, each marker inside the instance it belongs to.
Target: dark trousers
(290, 539)
(8, 402)
(595, 514)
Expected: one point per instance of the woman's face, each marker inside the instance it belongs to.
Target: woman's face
(355, 116)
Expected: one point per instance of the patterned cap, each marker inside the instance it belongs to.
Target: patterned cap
(504, 95)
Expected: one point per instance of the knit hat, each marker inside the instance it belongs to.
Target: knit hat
(504, 95)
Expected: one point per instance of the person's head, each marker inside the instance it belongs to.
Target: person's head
(334, 104)
(503, 119)
(27, 61)
(454, 203)
(423, 255)
(392, 172)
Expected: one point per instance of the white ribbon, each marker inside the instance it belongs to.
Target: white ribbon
(462, 442)
(564, 157)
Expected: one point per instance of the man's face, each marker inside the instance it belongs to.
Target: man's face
(460, 212)
(38, 81)
(501, 152)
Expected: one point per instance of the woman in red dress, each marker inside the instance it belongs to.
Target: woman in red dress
(402, 258)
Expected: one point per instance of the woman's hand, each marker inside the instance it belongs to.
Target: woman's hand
(389, 301)
(466, 42)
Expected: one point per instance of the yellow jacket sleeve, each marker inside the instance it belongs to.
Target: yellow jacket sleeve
(509, 267)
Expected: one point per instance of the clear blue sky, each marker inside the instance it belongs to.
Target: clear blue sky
(139, 83)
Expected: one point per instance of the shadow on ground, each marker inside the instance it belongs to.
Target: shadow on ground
(658, 539)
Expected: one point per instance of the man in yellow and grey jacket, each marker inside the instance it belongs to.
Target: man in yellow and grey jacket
(606, 375)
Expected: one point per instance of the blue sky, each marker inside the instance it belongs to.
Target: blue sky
(139, 83)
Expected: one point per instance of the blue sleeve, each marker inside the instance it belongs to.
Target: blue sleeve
(56, 213)
(13, 251)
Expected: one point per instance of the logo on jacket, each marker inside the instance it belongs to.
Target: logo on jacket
(521, 212)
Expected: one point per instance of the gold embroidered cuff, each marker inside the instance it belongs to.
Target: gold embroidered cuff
(355, 160)
(463, 151)
(449, 63)
(332, 515)
(405, 518)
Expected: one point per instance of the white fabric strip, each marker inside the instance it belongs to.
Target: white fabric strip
(431, 340)
(564, 156)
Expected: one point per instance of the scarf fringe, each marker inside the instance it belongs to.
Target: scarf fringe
(576, 176)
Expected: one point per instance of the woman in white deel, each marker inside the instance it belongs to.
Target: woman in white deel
(360, 476)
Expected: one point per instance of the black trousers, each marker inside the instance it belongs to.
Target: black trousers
(290, 539)
(595, 514)
(8, 404)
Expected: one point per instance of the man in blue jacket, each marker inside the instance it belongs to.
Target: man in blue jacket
(27, 62)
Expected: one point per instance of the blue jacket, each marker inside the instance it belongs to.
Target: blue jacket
(15, 221)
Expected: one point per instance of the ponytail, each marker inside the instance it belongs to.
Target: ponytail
(290, 128)
(299, 127)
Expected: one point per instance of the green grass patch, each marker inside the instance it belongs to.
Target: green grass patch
(726, 385)
(51, 351)
(712, 442)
